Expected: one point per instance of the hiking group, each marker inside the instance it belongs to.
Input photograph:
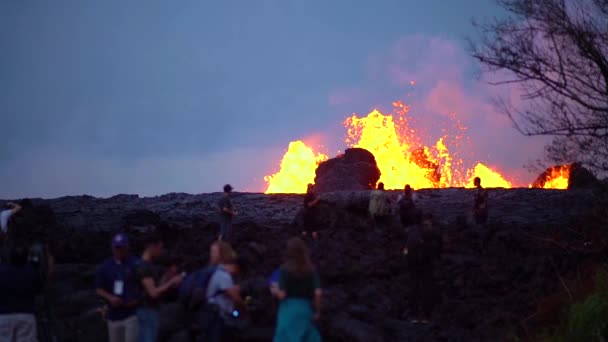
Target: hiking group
(211, 306)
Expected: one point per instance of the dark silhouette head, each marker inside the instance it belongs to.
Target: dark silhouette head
(408, 189)
(477, 182)
(155, 246)
(297, 259)
(227, 188)
(381, 186)
(310, 188)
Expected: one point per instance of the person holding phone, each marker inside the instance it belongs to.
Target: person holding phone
(116, 282)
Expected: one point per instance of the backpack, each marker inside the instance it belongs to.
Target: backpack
(192, 292)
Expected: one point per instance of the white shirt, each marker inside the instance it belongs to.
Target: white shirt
(5, 215)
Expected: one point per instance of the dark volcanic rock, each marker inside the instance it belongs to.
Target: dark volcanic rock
(580, 177)
(356, 169)
(534, 236)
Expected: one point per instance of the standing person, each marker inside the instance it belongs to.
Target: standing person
(19, 286)
(378, 205)
(480, 212)
(116, 282)
(227, 213)
(480, 203)
(423, 248)
(149, 276)
(408, 213)
(300, 295)
(311, 200)
(223, 297)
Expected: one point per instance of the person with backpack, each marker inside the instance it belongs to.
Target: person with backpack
(224, 304)
(152, 289)
(423, 248)
(300, 293)
(193, 290)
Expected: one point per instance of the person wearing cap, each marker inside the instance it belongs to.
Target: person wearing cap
(227, 213)
(117, 283)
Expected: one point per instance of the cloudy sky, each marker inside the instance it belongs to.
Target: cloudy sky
(150, 97)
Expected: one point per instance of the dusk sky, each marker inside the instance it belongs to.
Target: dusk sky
(149, 97)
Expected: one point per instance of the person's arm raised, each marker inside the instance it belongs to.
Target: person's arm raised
(154, 291)
(15, 208)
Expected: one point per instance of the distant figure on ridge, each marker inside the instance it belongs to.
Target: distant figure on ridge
(378, 205)
(299, 291)
(423, 247)
(311, 200)
(408, 212)
(227, 213)
(480, 203)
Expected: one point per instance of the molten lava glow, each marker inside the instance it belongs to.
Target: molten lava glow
(489, 178)
(297, 169)
(557, 177)
(400, 156)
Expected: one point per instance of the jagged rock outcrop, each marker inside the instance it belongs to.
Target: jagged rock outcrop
(356, 169)
(580, 177)
(535, 235)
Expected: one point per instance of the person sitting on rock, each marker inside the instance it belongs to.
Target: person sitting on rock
(300, 294)
(19, 286)
(423, 247)
(379, 205)
(311, 200)
(227, 213)
(116, 282)
(408, 212)
(152, 289)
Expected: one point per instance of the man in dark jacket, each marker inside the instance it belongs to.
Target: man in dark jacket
(116, 282)
(19, 286)
(423, 248)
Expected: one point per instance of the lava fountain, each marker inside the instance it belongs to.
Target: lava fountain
(400, 156)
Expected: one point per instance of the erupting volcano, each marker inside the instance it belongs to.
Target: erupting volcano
(400, 155)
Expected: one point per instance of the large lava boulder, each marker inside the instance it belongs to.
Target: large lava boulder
(580, 177)
(356, 169)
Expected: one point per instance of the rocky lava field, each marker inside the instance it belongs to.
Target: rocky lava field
(540, 239)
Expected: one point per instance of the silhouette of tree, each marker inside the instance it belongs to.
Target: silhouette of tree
(556, 52)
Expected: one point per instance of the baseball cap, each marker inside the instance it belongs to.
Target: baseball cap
(120, 240)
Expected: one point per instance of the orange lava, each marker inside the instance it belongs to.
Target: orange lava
(400, 156)
(297, 169)
(554, 178)
(489, 177)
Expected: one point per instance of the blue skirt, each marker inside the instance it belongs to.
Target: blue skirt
(295, 322)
